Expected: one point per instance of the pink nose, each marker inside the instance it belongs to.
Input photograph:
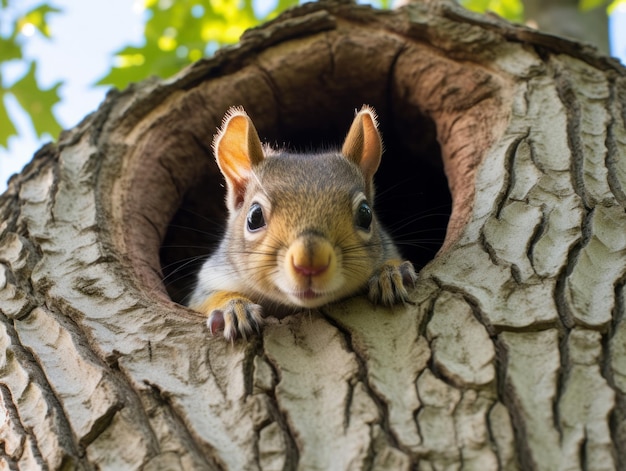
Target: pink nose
(310, 270)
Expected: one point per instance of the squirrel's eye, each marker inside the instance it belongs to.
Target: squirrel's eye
(364, 216)
(255, 219)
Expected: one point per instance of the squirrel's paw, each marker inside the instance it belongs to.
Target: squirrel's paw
(390, 284)
(238, 316)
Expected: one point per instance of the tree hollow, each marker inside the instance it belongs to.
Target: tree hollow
(437, 119)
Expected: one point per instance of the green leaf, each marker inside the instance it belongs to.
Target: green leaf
(178, 33)
(479, 6)
(9, 50)
(37, 17)
(37, 102)
(7, 129)
(587, 5)
(512, 10)
(134, 64)
(282, 6)
(615, 4)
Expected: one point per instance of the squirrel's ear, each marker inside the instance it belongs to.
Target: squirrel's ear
(237, 150)
(363, 145)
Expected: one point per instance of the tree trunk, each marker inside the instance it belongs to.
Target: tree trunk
(513, 355)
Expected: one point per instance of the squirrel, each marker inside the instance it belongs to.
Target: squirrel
(301, 229)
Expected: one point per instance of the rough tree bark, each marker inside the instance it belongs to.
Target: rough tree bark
(513, 355)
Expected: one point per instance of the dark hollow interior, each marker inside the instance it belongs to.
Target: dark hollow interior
(412, 200)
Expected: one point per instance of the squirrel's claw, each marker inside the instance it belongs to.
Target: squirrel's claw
(239, 317)
(215, 322)
(389, 284)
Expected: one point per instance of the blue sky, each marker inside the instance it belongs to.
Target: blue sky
(82, 52)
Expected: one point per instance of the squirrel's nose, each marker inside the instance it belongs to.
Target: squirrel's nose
(310, 256)
(310, 269)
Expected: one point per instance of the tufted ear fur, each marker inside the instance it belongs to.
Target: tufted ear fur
(237, 150)
(363, 144)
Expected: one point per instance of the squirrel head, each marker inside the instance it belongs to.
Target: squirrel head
(301, 227)
(238, 150)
